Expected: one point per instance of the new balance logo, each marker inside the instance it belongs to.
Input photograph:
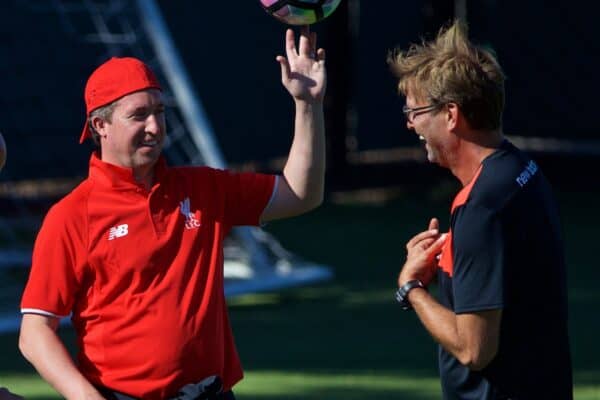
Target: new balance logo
(118, 231)
(527, 173)
(191, 221)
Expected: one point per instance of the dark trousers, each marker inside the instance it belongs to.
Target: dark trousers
(112, 395)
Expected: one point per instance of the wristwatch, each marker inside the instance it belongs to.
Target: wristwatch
(402, 293)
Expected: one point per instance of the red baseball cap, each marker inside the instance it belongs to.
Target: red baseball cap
(112, 80)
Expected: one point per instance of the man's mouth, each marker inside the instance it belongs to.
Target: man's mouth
(149, 143)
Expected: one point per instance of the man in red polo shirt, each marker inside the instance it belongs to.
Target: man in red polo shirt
(135, 252)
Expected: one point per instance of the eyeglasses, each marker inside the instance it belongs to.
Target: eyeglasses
(411, 113)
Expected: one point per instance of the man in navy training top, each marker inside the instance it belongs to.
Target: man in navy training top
(501, 317)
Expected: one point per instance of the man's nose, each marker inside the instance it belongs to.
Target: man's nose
(153, 124)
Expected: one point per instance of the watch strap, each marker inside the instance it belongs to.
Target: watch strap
(402, 293)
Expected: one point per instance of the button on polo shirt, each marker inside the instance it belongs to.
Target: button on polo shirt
(142, 273)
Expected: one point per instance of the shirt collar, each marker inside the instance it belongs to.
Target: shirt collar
(120, 177)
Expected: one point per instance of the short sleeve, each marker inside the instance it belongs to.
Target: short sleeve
(478, 249)
(246, 196)
(57, 264)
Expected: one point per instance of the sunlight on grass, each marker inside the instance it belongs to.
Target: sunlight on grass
(276, 383)
(587, 386)
(28, 386)
(584, 392)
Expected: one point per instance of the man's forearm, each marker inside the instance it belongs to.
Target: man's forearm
(437, 319)
(44, 350)
(305, 168)
(471, 337)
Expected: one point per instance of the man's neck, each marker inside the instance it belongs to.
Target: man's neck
(144, 176)
(473, 151)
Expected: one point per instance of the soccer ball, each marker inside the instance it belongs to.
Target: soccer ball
(300, 12)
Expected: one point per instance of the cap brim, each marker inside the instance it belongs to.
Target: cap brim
(86, 133)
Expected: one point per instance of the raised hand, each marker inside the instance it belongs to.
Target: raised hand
(303, 70)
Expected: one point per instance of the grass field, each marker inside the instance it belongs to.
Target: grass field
(347, 339)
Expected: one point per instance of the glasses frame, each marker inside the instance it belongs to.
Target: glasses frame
(411, 113)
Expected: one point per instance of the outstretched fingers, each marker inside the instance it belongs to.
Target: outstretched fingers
(290, 45)
(321, 55)
(285, 68)
(316, 53)
(305, 46)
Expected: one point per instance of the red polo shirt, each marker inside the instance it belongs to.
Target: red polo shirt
(142, 274)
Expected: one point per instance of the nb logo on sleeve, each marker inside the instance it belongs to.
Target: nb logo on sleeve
(118, 231)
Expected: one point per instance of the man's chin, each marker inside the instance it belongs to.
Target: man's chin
(149, 152)
(144, 159)
(431, 158)
(435, 160)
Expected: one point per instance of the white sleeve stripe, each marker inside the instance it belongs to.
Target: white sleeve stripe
(274, 192)
(41, 312)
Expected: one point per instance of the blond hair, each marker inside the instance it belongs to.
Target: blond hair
(450, 69)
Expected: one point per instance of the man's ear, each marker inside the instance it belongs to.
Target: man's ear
(453, 116)
(98, 124)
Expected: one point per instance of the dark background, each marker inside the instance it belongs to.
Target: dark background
(548, 49)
